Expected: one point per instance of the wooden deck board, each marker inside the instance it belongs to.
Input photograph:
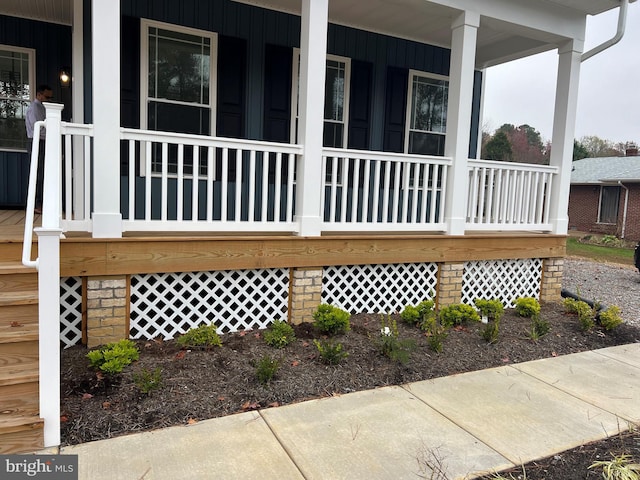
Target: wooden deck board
(84, 256)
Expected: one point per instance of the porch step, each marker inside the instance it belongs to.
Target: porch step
(20, 434)
(18, 369)
(18, 298)
(21, 428)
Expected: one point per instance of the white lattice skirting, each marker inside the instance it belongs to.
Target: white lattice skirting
(169, 304)
(378, 288)
(70, 311)
(505, 280)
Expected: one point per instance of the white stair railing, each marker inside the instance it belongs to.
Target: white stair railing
(48, 265)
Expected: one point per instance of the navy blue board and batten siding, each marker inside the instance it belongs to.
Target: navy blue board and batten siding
(52, 45)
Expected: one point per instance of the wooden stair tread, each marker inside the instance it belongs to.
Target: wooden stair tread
(18, 298)
(23, 372)
(14, 267)
(20, 423)
(20, 331)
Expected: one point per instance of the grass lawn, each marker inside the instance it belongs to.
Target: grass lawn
(598, 252)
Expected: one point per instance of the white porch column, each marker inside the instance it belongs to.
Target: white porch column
(105, 25)
(564, 124)
(77, 115)
(313, 53)
(463, 55)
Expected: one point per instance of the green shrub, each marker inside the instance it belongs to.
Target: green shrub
(539, 328)
(331, 320)
(492, 309)
(410, 315)
(610, 318)
(586, 314)
(436, 334)
(458, 314)
(389, 343)
(266, 369)
(330, 353)
(419, 314)
(490, 331)
(203, 336)
(279, 334)
(147, 381)
(527, 307)
(113, 357)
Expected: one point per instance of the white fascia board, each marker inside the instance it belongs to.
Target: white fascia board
(537, 15)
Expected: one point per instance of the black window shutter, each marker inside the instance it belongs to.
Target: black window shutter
(360, 105)
(231, 111)
(277, 93)
(395, 109)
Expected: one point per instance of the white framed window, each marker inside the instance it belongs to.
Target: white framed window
(336, 100)
(426, 123)
(336, 105)
(17, 89)
(178, 86)
(609, 204)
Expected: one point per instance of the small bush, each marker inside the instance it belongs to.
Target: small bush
(204, 336)
(527, 307)
(435, 333)
(490, 331)
(419, 314)
(458, 314)
(492, 309)
(266, 369)
(610, 318)
(330, 353)
(539, 328)
(279, 334)
(113, 357)
(410, 315)
(147, 381)
(389, 343)
(586, 314)
(331, 320)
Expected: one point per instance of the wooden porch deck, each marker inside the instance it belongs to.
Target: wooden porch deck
(12, 224)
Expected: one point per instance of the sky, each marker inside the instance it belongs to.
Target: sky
(523, 91)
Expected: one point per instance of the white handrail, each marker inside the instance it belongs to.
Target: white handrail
(31, 197)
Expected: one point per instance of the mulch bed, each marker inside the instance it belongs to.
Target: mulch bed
(202, 384)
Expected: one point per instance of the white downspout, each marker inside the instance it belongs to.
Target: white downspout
(626, 205)
(622, 21)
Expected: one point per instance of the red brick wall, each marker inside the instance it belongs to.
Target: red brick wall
(583, 211)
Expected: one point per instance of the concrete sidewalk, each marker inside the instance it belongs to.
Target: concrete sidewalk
(463, 425)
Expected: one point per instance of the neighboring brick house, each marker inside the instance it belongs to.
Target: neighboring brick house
(605, 196)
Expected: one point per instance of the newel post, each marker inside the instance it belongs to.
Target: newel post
(49, 280)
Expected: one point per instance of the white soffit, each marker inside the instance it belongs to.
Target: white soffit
(52, 11)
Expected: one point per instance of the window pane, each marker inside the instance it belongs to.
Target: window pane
(169, 117)
(333, 134)
(426, 143)
(429, 105)
(609, 203)
(179, 66)
(334, 91)
(14, 98)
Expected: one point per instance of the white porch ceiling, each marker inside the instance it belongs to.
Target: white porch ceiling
(53, 11)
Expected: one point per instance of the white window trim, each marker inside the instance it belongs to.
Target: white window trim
(31, 52)
(419, 73)
(295, 74)
(599, 218)
(145, 24)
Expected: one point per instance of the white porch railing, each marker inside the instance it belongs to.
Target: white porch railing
(381, 191)
(249, 186)
(241, 185)
(509, 196)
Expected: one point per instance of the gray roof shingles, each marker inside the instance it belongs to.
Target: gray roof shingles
(605, 170)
